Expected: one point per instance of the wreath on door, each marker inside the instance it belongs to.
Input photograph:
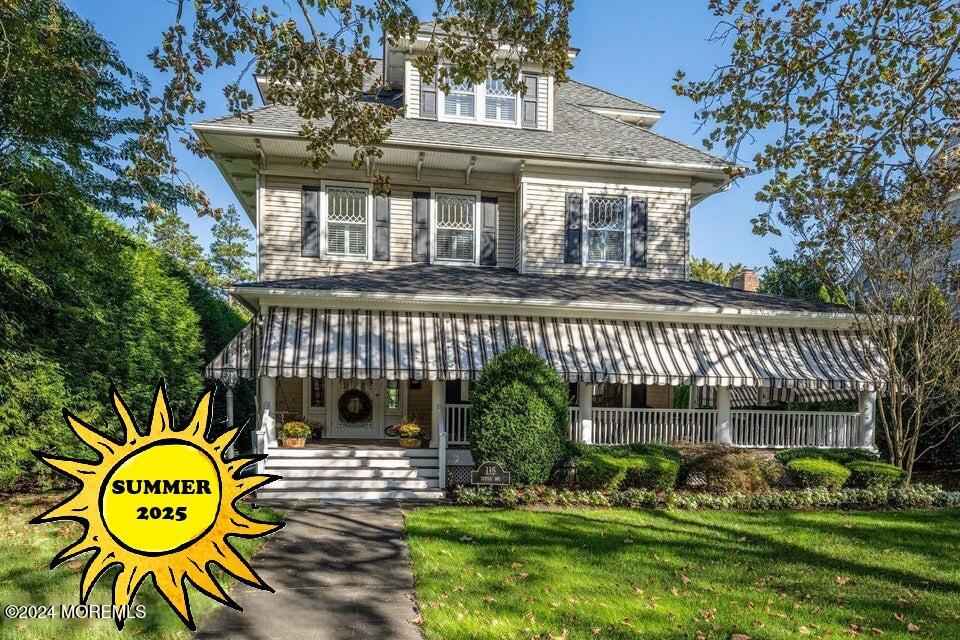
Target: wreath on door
(355, 406)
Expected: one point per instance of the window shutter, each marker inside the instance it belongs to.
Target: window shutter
(638, 232)
(310, 222)
(428, 98)
(529, 119)
(381, 227)
(574, 234)
(488, 231)
(421, 227)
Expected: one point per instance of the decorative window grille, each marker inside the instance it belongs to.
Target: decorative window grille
(316, 392)
(460, 101)
(501, 102)
(393, 394)
(606, 228)
(347, 221)
(456, 219)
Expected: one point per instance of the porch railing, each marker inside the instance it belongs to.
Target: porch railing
(782, 429)
(628, 426)
(749, 428)
(457, 418)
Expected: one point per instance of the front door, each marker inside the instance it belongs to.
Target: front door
(357, 409)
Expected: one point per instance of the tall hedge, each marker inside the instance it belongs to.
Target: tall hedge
(83, 304)
(519, 415)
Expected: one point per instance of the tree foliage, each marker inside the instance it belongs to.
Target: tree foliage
(706, 270)
(793, 278)
(847, 100)
(318, 57)
(230, 250)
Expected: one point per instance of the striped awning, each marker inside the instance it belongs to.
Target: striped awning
(239, 355)
(763, 396)
(399, 345)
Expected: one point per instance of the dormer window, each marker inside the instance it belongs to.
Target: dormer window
(501, 102)
(460, 102)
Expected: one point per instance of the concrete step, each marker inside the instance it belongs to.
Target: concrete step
(349, 463)
(337, 495)
(354, 472)
(355, 483)
(349, 452)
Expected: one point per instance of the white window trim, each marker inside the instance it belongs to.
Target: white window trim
(433, 226)
(585, 230)
(479, 109)
(323, 221)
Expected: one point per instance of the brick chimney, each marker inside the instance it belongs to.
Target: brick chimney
(748, 280)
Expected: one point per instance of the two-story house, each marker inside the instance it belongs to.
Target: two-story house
(558, 220)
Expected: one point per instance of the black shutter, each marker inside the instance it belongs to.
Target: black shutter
(638, 232)
(428, 98)
(381, 227)
(310, 222)
(421, 227)
(529, 112)
(574, 233)
(488, 231)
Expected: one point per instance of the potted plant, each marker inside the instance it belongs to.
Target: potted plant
(294, 434)
(409, 432)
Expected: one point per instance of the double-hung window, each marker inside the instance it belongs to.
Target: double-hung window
(460, 101)
(606, 229)
(347, 220)
(500, 102)
(455, 220)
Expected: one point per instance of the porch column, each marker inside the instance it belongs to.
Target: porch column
(724, 425)
(585, 402)
(229, 399)
(867, 401)
(268, 410)
(438, 429)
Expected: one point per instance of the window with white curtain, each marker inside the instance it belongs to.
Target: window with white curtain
(606, 228)
(500, 101)
(456, 226)
(460, 101)
(347, 218)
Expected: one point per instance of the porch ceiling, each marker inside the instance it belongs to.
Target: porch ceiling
(337, 343)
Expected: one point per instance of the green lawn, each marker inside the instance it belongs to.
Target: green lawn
(25, 554)
(490, 573)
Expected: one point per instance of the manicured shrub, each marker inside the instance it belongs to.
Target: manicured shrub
(875, 475)
(840, 456)
(650, 472)
(519, 416)
(720, 469)
(816, 473)
(598, 471)
(578, 449)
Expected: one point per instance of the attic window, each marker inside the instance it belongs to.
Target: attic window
(460, 101)
(501, 102)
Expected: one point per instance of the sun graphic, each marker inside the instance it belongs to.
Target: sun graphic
(160, 504)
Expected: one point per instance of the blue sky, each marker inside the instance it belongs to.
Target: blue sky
(629, 47)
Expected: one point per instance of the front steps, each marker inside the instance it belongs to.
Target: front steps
(352, 472)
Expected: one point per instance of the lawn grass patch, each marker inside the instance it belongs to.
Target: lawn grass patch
(25, 578)
(500, 573)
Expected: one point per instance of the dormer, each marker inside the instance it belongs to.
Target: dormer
(488, 103)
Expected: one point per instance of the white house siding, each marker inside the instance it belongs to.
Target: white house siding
(545, 215)
(281, 225)
(412, 91)
(543, 100)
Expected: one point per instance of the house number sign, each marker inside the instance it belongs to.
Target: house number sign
(490, 474)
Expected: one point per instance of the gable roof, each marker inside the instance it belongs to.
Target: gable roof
(578, 132)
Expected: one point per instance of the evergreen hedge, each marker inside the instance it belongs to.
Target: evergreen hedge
(875, 475)
(519, 415)
(816, 473)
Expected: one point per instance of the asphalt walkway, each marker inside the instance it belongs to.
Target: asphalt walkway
(340, 572)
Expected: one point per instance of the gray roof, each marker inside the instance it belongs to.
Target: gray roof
(578, 132)
(475, 282)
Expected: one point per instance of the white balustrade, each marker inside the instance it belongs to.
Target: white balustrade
(628, 426)
(457, 417)
(783, 429)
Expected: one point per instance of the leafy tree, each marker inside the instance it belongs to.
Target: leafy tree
(171, 235)
(317, 57)
(75, 119)
(793, 278)
(230, 250)
(848, 99)
(706, 270)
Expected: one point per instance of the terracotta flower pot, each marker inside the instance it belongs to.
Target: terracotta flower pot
(410, 443)
(294, 443)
